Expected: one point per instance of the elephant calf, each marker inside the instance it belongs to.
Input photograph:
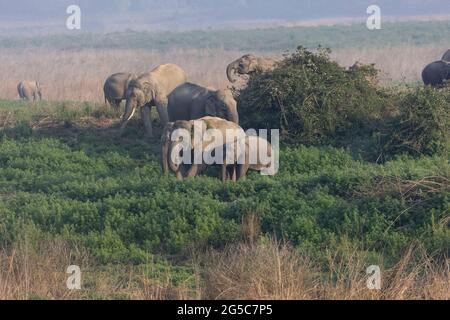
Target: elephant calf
(115, 88)
(436, 73)
(190, 101)
(29, 90)
(256, 156)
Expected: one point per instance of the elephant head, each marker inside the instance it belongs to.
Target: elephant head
(135, 98)
(177, 138)
(248, 64)
(244, 65)
(222, 104)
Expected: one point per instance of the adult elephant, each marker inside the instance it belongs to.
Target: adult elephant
(29, 90)
(436, 73)
(152, 89)
(248, 64)
(190, 101)
(446, 56)
(115, 88)
(208, 127)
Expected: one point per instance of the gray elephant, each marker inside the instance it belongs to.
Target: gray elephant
(249, 159)
(190, 101)
(436, 73)
(30, 90)
(446, 56)
(152, 89)
(171, 150)
(248, 64)
(115, 88)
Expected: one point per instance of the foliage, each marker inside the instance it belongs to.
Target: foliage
(423, 123)
(312, 99)
(109, 195)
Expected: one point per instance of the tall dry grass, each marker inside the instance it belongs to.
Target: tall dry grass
(79, 75)
(403, 63)
(276, 271)
(262, 270)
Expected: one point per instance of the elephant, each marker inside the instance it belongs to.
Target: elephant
(30, 90)
(179, 170)
(436, 73)
(249, 64)
(190, 101)
(152, 89)
(446, 56)
(172, 145)
(249, 159)
(115, 88)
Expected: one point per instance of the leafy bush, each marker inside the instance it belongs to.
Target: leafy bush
(423, 123)
(312, 99)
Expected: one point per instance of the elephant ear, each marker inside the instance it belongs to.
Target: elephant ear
(211, 105)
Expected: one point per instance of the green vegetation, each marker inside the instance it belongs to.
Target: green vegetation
(274, 39)
(64, 174)
(314, 101)
(108, 194)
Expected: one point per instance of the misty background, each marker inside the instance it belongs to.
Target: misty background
(49, 16)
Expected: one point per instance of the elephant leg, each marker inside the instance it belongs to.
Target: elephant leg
(223, 173)
(146, 118)
(180, 175)
(161, 106)
(116, 104)
(193, 171)
(231, 173)
(241, 171)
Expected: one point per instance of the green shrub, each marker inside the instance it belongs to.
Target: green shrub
(423, 123)
(111, 198)
(312, 99)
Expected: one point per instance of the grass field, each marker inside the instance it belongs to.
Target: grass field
(72, 193)
(75, 67)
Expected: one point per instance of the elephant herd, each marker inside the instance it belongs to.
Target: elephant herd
(181, 104)
(438, 72)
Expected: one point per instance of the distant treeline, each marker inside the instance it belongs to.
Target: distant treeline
(274, 39)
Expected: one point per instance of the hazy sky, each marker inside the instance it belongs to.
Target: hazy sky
(112, 15)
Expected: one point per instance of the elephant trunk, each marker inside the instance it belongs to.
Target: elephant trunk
(170, 155)
(233, 116)
(130, 109)
(231, 71)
